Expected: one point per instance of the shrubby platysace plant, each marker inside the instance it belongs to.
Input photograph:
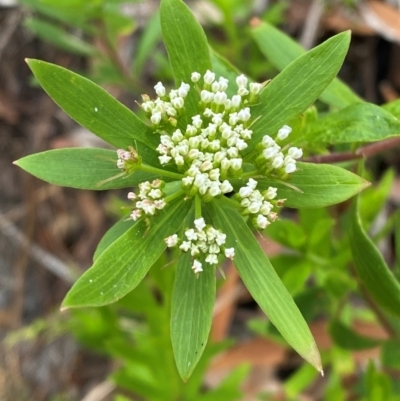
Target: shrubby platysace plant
(212, 164)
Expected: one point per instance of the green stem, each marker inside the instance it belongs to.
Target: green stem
(229, 201)
(250, 174)
(165, 173)
(197, 207)
(175, 195)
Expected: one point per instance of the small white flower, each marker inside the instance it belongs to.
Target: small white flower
(200, 223)
(171, 241)
(294, 152)
(215, 86)
(236, 163)
(220, 238)
(244, 192)
(277, 162)
(179, 160)
(197, 121)
(284, 132)
(156, 118)
(242, 91)
(209, 77)
(223, 84)
(252, 183)
(255, 88)
(155, 194)
(267, 141)
(178, 102)
(262, 221)
(136, 214)
(220, 97)
(206, 97)
(230, 253)
(236, 100)
(177, 136)
(266, 208)
(254, 207)
(164, 159)
(226, 187)
(195, 77)
(159, 204)
(191, 235)
(160, 89)
(244, 114)
(183, 89)
(132, 196)
(214, 248)
(241, 80)
(271, 193)
(290, 168)
(212, 259)
(185, 246)
(187, 181)
(197, 266)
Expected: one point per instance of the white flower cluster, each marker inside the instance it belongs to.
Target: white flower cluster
(203, 241)
(208, 151)
(272, 157)
(258, 205)
(166, 108)
(149, 199)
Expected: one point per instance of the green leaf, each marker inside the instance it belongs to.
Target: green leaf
(56, 36)
(280, 50)
(186, 45)
(147, 43)
(391, 354)
(393, 107)
(360, 122)
(371, 268)
(298, 86)
(122, 266)
(116, 231)
(320, 185)
(83, 168)
(191, 315)
(93, 108)
(263, 283)
(348, 339)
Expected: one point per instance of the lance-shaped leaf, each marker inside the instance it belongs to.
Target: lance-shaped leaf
(298, 86)
(316, 185)
(186, 45)
(281, 50)
(263, 283)
(360, 122)
(371, 268)
(57, 36)
(83, 168)
(95, 109)
(122, 266)
(112, 234)
(191, 315)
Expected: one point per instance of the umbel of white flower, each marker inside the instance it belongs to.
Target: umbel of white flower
(208, 154)
(204, 242)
